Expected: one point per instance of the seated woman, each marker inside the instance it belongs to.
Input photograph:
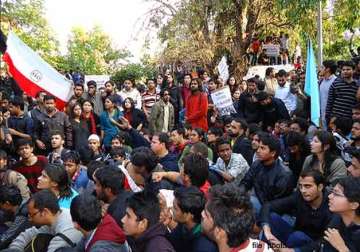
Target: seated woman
(324, 158)
(55, 178)
(197, 135)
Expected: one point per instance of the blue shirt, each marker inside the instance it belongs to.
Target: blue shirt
(81, 181)
(66, 202)
(110, 130)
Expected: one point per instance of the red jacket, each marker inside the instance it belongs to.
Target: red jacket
(108, 230)
(196, 110)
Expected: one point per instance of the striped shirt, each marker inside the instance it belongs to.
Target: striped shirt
(148, 101)
(341, 99)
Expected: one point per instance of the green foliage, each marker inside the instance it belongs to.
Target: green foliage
(136, 72)
(26, 18)
(92, 52)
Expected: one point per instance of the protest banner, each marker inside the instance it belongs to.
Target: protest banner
(223, 69)
(223, 101)
(99, 79)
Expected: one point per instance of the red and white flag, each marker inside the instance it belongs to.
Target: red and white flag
(33, 74)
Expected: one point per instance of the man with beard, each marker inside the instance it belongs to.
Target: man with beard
(78, 92)
(272, 110)
(310, 207)
(109, 187)
(355, 134)
(248, 106)
(240, 143)
(110, 91)
(197, 106)
(51, 120)
(162, 115)
(57, 147)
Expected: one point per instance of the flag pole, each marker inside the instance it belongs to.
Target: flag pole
(320, 35)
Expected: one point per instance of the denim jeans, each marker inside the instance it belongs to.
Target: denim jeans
(285, 232)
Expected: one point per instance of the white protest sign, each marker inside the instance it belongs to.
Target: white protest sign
(260, 70)
(223, 101)
(223, 69)
(99, 79)
(271, 50)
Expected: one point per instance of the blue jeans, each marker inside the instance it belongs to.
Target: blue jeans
(256, 205)
(285, 232)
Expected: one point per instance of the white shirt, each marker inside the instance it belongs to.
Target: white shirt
(284, 94)
(166, 118)
(133, 94)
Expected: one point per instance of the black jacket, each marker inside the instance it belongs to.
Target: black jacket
(269, 182)
(248, 109)
(310, 221)
(191, 241)
(137, 118)
(153, 239)
(242, 145)
(274, 112)
(350, 235)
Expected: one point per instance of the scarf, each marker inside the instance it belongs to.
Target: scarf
(92, 122)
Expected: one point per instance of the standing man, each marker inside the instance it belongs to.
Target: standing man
(327, 70)
(110, 91)
(197, 106)
(78, 92)
(342, 94)
(95, 97)
(270, 81)
(19, 124)
(162, 117)
(150, 97)
(130, 91)
(51, 120)
(283, 92)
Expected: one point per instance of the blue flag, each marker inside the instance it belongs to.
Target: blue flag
(312, 85)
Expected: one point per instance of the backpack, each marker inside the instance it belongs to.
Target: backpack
(41, 242)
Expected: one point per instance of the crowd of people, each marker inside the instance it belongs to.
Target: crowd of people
(161, 169)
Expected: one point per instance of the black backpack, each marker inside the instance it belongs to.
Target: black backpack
(41, 242)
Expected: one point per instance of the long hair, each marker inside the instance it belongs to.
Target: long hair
(58, 174)
(330, 154)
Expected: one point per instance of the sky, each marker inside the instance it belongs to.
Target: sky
(118, 18)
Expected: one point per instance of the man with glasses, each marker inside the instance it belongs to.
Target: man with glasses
(343, 231)
(44, 212)
(95, 97)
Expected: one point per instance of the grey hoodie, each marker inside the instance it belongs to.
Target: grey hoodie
(63, 225)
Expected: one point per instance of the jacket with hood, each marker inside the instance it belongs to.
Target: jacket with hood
(153, 239)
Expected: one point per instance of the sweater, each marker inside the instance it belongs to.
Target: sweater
(63, 225)
(196, 110)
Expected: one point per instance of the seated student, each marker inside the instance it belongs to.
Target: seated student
(229, 166)
(99, 234)
(117, 156)
(119, 141)
(185, 226)
(178, 140)
(10, 177)
(197, 135)
(212, 136)
(160, 144)
(309, 205)
(228, 219)
(195, 172)
(76, 172)
(143, 163)
(29, 165)
(268, 176)
(57, 148)
(45, 213)
(109, 187)
(55, 178)
(95, 147)
(354, 168)
(324, 158)
(343, 231)
(12, 203)
(141, 222)
(299, 149)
